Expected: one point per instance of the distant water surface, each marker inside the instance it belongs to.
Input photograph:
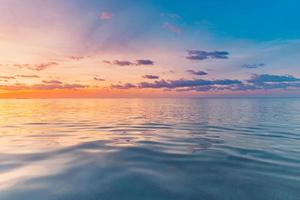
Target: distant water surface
(150, 149)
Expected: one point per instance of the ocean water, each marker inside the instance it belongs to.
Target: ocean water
(134, 149)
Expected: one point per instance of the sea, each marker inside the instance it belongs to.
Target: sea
(150, 149)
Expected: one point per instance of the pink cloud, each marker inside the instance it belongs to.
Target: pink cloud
(172, 28)
(36, 67)
(77, 58)
(106, 15)
(43, 66)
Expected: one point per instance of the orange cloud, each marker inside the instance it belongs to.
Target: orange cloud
(77, 58)
(7, 77)
(52, 82)
(98, 79)
(46, 85)
(36, 67)
(43, 66)
(28, 76)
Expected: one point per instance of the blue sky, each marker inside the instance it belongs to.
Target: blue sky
(257, 20)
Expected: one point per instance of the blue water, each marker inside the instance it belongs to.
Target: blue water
(133, 149)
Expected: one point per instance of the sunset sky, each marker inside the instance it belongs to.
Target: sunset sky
(149, 48)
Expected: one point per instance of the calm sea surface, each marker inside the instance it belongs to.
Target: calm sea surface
(153, 149)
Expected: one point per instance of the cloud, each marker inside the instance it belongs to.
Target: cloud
(106, 15)
(52, 82)
(125, 86)
(22, 65)
(203, 55)
(98, 79)
(107, 62)
(199, 88)
(76, 58)
(36, 67)
(256, 82)
(169, 72)
(43, 66)
(172, 28)
(21, 76)
(199, 73)
(42, 86)
(7, 77)
(267, 86)
(129, 63)
(28, 76)
(14, 87)
(192, 83)
(181, 83)
(122, 63)
(119, 62)
(267, 78)
(57, 86)
(144, 62)
(253, 66)
(151, 77)
(268, 82)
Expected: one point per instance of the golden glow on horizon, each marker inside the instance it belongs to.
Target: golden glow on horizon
(86, 93)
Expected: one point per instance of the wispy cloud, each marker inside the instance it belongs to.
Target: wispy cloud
(105, 15)
(151, 76)
(36, 67)
(172, 27)
(98, 79)
(268, 78)
(77, 58)
(28, 76)
(130, 63)
(199, 73)
(253, 66)
(20, 76)
(125, 86)
(170, 15)
(203, 55)
(43, 66)
(7, 77)
(52, 82)
(42, 86)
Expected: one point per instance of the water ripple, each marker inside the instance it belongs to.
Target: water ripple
(150, 149)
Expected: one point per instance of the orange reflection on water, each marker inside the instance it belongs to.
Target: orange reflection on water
(44, 125)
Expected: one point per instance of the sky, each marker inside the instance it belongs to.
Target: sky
(149, 48)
